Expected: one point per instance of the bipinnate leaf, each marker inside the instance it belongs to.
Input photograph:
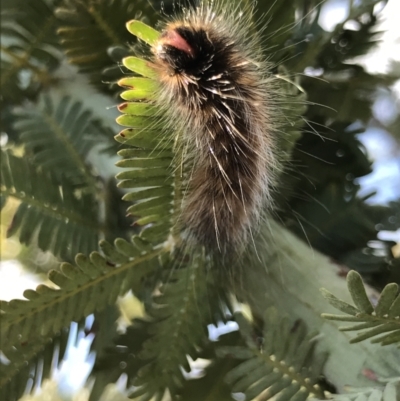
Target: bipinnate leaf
(90, 37)
(282, 364)
(177, 329)
(88, 286)
(381, 392)
(154, 180)
(380, 323)
(120, 357)
(30, 362)
(60, 136)
(29, 49)
(51, 213)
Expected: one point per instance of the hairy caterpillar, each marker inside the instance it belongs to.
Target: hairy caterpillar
(217, 89)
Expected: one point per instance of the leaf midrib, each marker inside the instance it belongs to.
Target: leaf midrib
(6, 324)
(48, 210)
(102, 23)
(23, 60)
(63, 137)
(293, 374)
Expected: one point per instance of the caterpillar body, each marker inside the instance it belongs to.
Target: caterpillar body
(217, 89)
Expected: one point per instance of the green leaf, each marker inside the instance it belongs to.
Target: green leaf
(139, 66)
(345, 43)
(373, 322)
(155, 180)
(324, 49)
(358, 293)
(30, 362)
(386, 299)
(143, 32)
(51, 214)
(137, 109)
(338, 304)
(282, 364)
(380, 392)
(120, 357)
(141, 88)
(135, 121)
(29, 50)
(383, 328)
(90, 31)
(60, 138)
(351, 91)
(210, 386)
(178, 328)
(322, 199)
(89, 286)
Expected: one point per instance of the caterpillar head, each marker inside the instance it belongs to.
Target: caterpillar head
(185, 50)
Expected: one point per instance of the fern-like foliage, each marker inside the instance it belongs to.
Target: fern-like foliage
(389, 392)
(281, 364)
(123, 358)
(324, 196)
(157, 179)
(351, 87)
(29, 48)
(50, 212)
(352, 83)
(154, 182)
(154, 351)
(330, 49)
(29, 363)
(178, 329)
(89, 286)
(381, 323)
(337, 203)
(89, 37)
(345, 43)
(211, 386)
(66, 206)
(149, 179)
(120, 357)
(60, 137)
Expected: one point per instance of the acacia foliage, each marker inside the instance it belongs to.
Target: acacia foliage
(55, 164)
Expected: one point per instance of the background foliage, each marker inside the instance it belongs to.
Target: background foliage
(60, 64)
